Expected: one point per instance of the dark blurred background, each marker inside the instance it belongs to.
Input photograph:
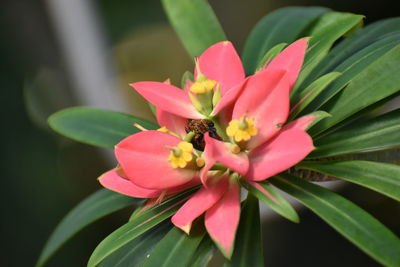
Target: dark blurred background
(60, 53)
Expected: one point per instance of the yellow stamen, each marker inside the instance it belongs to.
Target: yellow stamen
(200, 162)
(241, 130)
(235, 149)
(181, 155)
(202, 85)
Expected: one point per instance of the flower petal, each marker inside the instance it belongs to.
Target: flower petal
(168, 98)
(285, 150)
(218, 151)
(174, 123)
(291, 60)
(201, 201)
(221, 62)
(228, 98)
(144, 159)
(113, 181)
(223, 218)
(301, 123)
(265, 97)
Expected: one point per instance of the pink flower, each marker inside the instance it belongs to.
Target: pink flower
(254, 143)
(152, 163)
(259, 145)
(219, 71)
(257, 130)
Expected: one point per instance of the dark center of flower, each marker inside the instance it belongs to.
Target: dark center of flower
(200, 127)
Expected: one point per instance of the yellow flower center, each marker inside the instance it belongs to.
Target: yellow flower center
(241, 130)
(202, 85)
(181, 155)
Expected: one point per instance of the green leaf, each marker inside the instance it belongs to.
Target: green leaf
(136, 251)
(354, 65)
(329, 28)
(95, 126)
(175, 249)
(270, 55)
(195, 23)
(381, 177)
(306, 96)
(96, 206)
(345, 217)
(350, 46)
(204, 253)
(248, 245)
(279, 205)
(284, 25)
(377, 82)
(382, 132)
(138, 225)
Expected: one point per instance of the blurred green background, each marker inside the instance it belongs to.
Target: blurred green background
(60, 53)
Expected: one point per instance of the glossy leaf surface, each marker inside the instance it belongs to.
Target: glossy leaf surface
(347, 218)
(96, 126)
(381, 177)
(94, 207)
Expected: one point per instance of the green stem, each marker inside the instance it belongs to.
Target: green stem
(218, 167)
(189, 136)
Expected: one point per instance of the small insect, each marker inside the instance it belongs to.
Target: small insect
(200, 127)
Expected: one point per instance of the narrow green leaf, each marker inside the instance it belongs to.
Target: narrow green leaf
(137, 226)
(95, 126)
(204, 253)
(382, 132)
(351, 45)
(306, 96)
(386, 156)
(248, 245)
(136, 251)
(279, 204)
(381, 177)
(270, 55)
(345, 217)
(195, 23)
(284, 25)
(175, 249)
(354, 65)
(96, 206)
(377, 82)
(329, 28)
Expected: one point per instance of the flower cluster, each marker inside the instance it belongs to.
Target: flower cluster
(222, 127)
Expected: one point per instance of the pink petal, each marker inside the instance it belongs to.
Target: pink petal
(265, 97)
(220, 152)
(229, 97)
(301, 123)
(201, 201)
(144, 159)
(174, 123)
(221, 62)
(113, 181)
(223, 218)
(285, 150)
(291, 60)
(168, 98)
